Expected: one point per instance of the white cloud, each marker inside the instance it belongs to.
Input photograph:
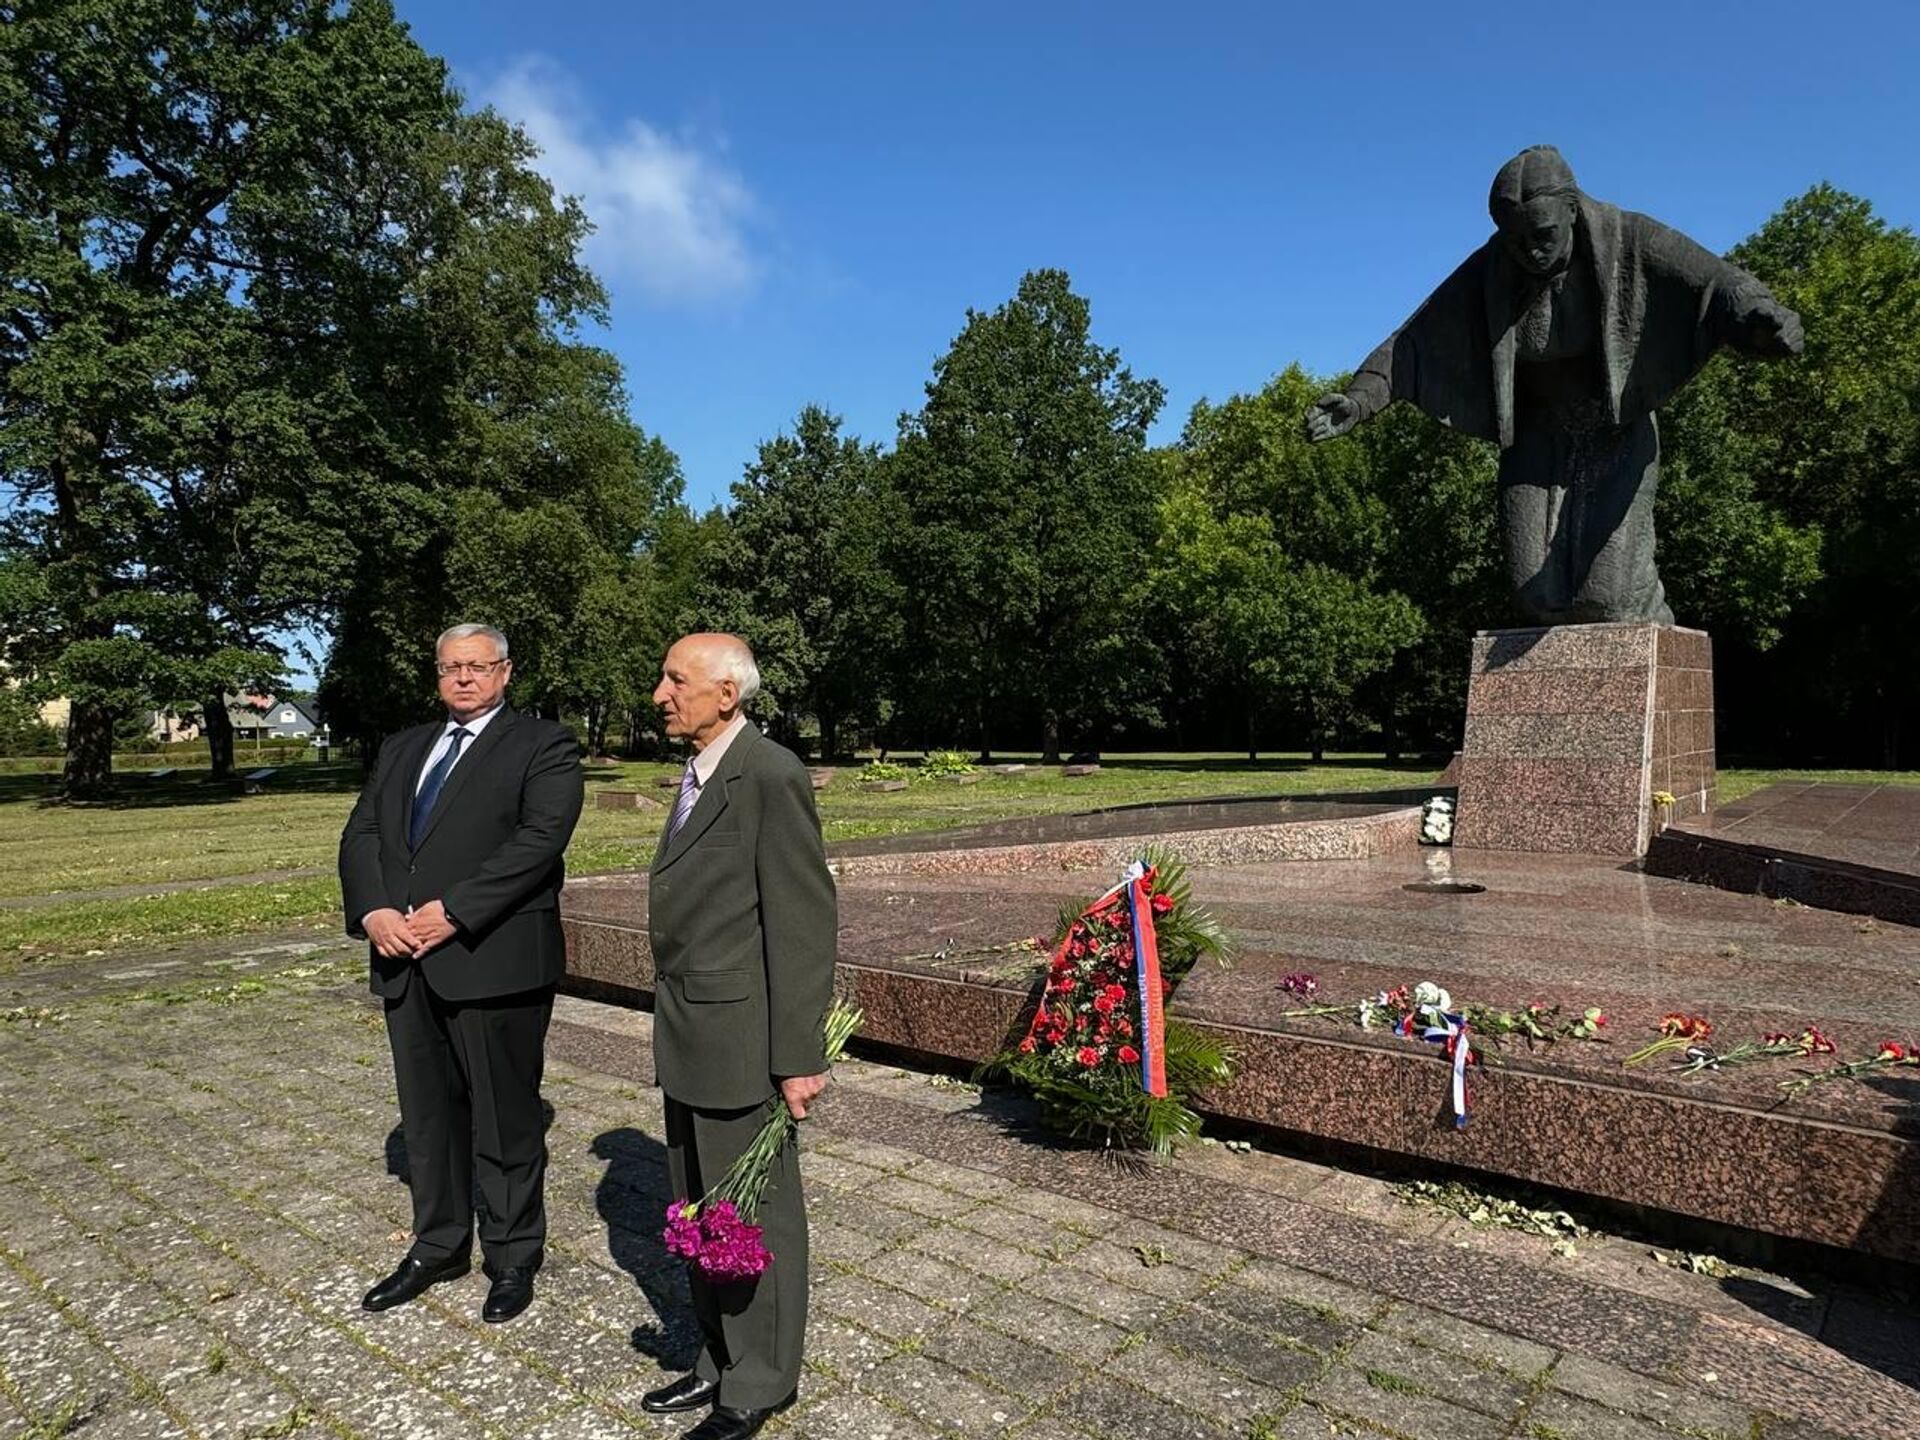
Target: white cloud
(668, 216)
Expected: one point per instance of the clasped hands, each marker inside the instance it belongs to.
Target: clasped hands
(409, 936)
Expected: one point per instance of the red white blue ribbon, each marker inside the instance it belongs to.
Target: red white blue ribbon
(1138, 885)
(1453, 1029)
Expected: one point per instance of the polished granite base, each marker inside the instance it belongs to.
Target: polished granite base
(1840, 847)
(947, 965)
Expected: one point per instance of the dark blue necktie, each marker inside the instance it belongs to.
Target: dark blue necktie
(430, 789)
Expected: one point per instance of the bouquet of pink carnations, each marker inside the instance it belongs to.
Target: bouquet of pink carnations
(716, 1234)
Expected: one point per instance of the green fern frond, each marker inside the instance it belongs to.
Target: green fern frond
(1195, 1061)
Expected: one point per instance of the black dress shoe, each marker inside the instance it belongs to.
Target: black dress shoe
(724, 1422)
(512, 1292)
(689, 1392)
(411, 1280)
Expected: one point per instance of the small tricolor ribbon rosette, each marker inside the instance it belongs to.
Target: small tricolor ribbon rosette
(1449, 1028)
(1446, 1027)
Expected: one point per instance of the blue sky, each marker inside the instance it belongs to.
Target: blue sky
(798, 203)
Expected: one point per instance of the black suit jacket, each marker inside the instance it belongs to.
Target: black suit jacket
(491, 855)
(742, 918)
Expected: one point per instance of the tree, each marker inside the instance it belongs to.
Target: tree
(1028, 505)
(1267, 626)
(277, 315)
(158, 165)
(1442, 551)
(799, 571)
(1790, 511)
(1288, 556)
(22, 731)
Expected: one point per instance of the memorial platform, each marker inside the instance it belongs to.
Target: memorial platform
(945, 958)
(1841, 847)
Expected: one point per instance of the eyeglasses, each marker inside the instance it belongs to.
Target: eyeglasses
(469, 667)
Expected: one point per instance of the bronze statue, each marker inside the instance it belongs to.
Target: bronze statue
(1557, 340)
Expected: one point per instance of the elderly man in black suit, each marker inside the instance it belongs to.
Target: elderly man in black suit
(450, 867)
(742, 919)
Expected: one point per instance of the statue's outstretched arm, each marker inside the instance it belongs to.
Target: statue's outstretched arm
(1435, 360)
(1367, 394)
(1756, 322)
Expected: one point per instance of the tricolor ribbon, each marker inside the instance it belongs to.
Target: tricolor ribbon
(1138, 885)
(1453, 1029)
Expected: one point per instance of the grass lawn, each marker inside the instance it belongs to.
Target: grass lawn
(181, 830)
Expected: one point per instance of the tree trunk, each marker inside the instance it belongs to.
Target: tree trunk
(1049, 736)
(218, 728)
(1253, 749)
(1319, 733)
(1397, 680)
(89, 767)
(829, 736)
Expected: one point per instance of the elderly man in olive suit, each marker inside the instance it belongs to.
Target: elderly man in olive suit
(742, 921)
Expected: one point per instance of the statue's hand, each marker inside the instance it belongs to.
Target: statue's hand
(1773, 329)
(1331, 415)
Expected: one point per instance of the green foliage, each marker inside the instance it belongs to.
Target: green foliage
(1792, 504)
(1274, 567)
(884, 770)
(1026, 509)
(286, 342)
(799, 570)
(945, 762)
(22, 731)
(1109, 1109)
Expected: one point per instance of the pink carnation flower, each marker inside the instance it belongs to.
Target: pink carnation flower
(717, 1240)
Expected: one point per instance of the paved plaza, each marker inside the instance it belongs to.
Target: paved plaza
(200, 1174)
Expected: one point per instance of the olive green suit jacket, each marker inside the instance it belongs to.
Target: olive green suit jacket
(743, 922)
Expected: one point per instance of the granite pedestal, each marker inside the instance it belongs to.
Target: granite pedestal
(1572, 729)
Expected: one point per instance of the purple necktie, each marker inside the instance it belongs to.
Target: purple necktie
(683, 804)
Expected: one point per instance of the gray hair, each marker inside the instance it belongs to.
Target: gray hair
(733, 660)
(464, 632)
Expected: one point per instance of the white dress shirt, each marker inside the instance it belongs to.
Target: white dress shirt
(706, 761)
(473, 728)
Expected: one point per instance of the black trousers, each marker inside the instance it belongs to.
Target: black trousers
(469, 1078)
(752, 1330)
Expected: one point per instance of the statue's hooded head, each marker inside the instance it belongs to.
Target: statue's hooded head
(1535, 203)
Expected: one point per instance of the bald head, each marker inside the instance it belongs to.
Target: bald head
(705, 680)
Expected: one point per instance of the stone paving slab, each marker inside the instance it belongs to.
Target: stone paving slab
(198, 1179)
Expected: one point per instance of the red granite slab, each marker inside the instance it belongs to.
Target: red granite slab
(1840, 847)
(945, 966)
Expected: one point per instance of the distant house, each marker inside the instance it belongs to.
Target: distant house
(253, 717)
(264, 717)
